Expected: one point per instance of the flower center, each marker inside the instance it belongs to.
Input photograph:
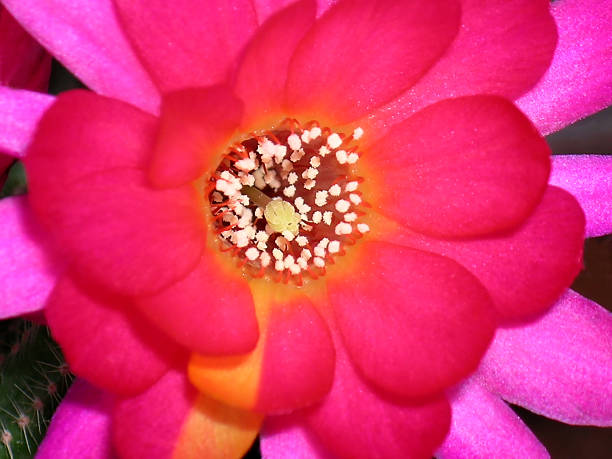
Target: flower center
(287, 201)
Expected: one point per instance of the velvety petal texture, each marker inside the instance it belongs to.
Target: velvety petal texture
(81, 426)
(193, 44)
(361, 54)
(29, 270)
(484, 426)
(171, 420)
(461, 167)
(486, 57)
(559, 365)
(589, 179)
(194, 125)
(99, 195)
(525, 270)
(104, 342)
(86, 38)
(285, 437)
(577, 82)
(429, 329)
(210, 311)
(20, 111)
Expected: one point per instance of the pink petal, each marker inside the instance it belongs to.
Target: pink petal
(195, 125)
(356, 421)
(86, 38)
(558, 365)
(187, 43)
(266, 8)
(105, 342)
(461, 167)
(27, 271)
(284, 437)
(589, 179)
(262, 72)
(361, 54)
(484, 426)
(525, 270)
(503, 48)
(20, 111)
(81, 426)
(427, 332)
(209, 311)
(577, 83)
(98, 195)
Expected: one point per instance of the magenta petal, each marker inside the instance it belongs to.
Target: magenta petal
(559, 365)
(266, 8)
(285, 437)
(484, 426)
(86, 38)
(589, 179)
(81, 425)
(20, 110)
(577, 83)
(27, 273)
(187, 43)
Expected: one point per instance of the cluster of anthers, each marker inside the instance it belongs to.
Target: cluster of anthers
(287, 201)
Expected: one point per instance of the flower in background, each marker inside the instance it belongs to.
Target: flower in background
(117, 278)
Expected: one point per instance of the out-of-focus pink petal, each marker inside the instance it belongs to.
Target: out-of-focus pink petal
(558, 365)
(195, 124)
(86, 38)
(502, 48)
(262, 72)
(578, 82)
(20, 110)
(483, 426)
(361, 54)
(426, 332)
(524, 270)
(27, 271)
(461, 167)
(284, 437)
(187, 43)
(105, 341)
(589, 179)
(81, 426)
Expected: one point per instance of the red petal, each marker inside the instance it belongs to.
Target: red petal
(210, 311)
(262, 71)
(361, 54)
(171, 420)
(527, 269)
(426, 332)
(503, 48)
(354, 421)
(104, 342)
(186, 43)
(461, 167)
(194, 126)
(96, 203)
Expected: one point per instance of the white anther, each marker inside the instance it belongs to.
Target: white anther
(319, 251)
(295, 269)
(288, 235)
(279, 153)
(252, 253)
(259, 178)
(264, 258)
(246, 219)
(247, 180)
(355, 198)
(363, 228)
(306, 254)
(318, 262)
(240, 238)
(317, 217)
(342, 205)
(267, 150)
(259, 212)
(357, 133)
(350, 217)
(286, 166)
(343, 228)
(245, 165)
(323, 242)
(334, 247)
(289, 261)
(334, 141)
(309, 184)
(301, 241)
(352, 158)
(311, 173)
(303, 264)
(292, 178)
(324, 151)
(279, 265)
(282, 243)
(294, 142)
(306, 136)
(315, 132)
(277, 254)
(335, 190)
(262, 246)
(321, 198)
(351, 186)
(289, 191)
(297, 155)
(315, 161)
(341, 156)
(327, 217)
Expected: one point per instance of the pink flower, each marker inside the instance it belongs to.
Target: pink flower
(132, 248)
